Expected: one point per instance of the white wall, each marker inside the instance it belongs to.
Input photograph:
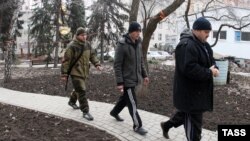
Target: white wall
(231, 47)
(22, 42)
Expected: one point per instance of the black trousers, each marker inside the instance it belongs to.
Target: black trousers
(192, 124)
(128, 99)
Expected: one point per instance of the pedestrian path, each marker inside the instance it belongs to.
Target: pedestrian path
(57, 105)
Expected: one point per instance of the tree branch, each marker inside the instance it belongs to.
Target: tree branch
(186, 14)
(206, 7)
(121, 5)
(152, 24)
(218, 19)
(144, 18)
(133, 13)
(230, 26)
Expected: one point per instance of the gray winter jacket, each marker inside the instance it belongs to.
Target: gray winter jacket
(128, 64)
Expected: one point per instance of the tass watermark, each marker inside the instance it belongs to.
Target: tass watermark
(235, 132)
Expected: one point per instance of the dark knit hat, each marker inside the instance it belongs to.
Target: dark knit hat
(202, 24)
(134, 26)
(80, 30)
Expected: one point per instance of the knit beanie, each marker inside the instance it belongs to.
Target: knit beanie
(80, 30)
(134, 26)
(202, 24)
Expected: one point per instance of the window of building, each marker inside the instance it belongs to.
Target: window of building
(166, 38)
(215, 34)
(242, 36)
(173, 40)
(160, 25)
(237, 36)
(245, 36)
(222, 34)
(159, 37)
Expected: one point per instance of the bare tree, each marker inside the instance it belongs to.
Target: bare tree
(146, 13)
(186, 14)
(152, 24)
(229, 15)
(134, 10)
(8, 18)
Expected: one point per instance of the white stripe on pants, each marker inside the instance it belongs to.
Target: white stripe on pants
(132, 101)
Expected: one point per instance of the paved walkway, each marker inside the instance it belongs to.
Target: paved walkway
(57, 105)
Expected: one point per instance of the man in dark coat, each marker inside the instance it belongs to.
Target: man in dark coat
(129, 70)
(193, 81)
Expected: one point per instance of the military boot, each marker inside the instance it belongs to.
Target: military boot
(73, 105)
(88, 116)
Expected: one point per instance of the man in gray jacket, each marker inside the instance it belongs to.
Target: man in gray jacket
(129, 71)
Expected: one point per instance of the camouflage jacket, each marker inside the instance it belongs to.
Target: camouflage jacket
(81, 67)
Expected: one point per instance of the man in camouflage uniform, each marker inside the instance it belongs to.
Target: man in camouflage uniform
(78, 54)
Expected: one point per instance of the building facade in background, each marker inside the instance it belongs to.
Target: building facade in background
(231, 42)
(24, 42)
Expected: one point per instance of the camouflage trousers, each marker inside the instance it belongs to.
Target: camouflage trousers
(79, 92)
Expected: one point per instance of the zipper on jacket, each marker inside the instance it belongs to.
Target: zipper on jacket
(136, 69)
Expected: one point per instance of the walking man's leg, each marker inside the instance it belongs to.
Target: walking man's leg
(73, 99)
(79, 86)
(175, 121)
(193, 126)
(132, 107)
(118, 108)
(84, 105)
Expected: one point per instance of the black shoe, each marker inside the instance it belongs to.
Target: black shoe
(117, 117)
(141, 131)
(88, 116)
(165, 131)
(73, 105)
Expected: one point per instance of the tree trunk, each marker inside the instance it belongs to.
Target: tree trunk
(102, 33)
(1, 43)
(152, 24)
(134, 10)
(36, 51)
(28, 55)
(57, 33)
(101, 44)
(8, 42)
(8, 62)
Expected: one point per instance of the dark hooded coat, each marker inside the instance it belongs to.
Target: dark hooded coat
(193, 80)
